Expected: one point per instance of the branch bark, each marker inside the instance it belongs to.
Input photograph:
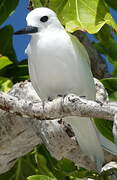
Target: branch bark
(19, 135)
(70, 105)
(115, 128)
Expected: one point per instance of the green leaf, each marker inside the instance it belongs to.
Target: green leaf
(23, 168)
(36, 3)
(17, 72)
(110, 83)
(104, 34)
(81, 173)
(49, 163)
(6, 8)
(112, 3)
(42, 165)
(99, 47)
(66, 166)
(40, 177)
(105, 127)
(84, 173)
(114, 73)
(110, 49)
(21, 73)
(4, 61)
(108, 44)
(82, 15)
(113, 97)
(5, 84)
(86, 15)
(68, 169)
(56, 5)
(6, 48)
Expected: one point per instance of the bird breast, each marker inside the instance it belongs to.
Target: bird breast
(55, 67)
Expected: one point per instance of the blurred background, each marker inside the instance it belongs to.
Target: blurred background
(18, 21)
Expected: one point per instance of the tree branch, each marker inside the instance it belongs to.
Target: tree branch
(19, 135)
(71, 105)
(115, 128)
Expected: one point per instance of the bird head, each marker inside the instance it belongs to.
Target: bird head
(40, 19)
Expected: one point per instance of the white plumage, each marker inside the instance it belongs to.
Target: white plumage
(59, 64)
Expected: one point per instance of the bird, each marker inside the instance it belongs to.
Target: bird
(58, 65)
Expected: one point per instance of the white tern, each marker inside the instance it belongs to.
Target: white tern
(58, 65)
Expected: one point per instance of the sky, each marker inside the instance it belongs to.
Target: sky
(17, 20)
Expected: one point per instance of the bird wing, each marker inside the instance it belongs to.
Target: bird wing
(80, 46)
(106, 144)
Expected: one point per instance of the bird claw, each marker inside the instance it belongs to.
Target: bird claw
(84, 97)
(62, 95)
(50, 98)
(99, 102)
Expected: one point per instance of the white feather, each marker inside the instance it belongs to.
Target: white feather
(85, 132)
(59, 64)
(107, 144)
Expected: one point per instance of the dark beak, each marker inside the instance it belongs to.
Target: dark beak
(27, 30)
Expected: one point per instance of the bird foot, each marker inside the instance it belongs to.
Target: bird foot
(62, 95)
(99, 102)
(50, 98)
(84, 97)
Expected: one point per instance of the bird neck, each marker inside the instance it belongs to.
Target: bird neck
(50, 31)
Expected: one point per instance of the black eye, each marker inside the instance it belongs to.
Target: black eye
(44, 18)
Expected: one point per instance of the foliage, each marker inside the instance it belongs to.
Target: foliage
(7, 8)
(40, 165)
(85, 15)
(91, 16)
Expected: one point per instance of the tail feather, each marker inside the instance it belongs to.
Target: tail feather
(85, 132)
(107, 144)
